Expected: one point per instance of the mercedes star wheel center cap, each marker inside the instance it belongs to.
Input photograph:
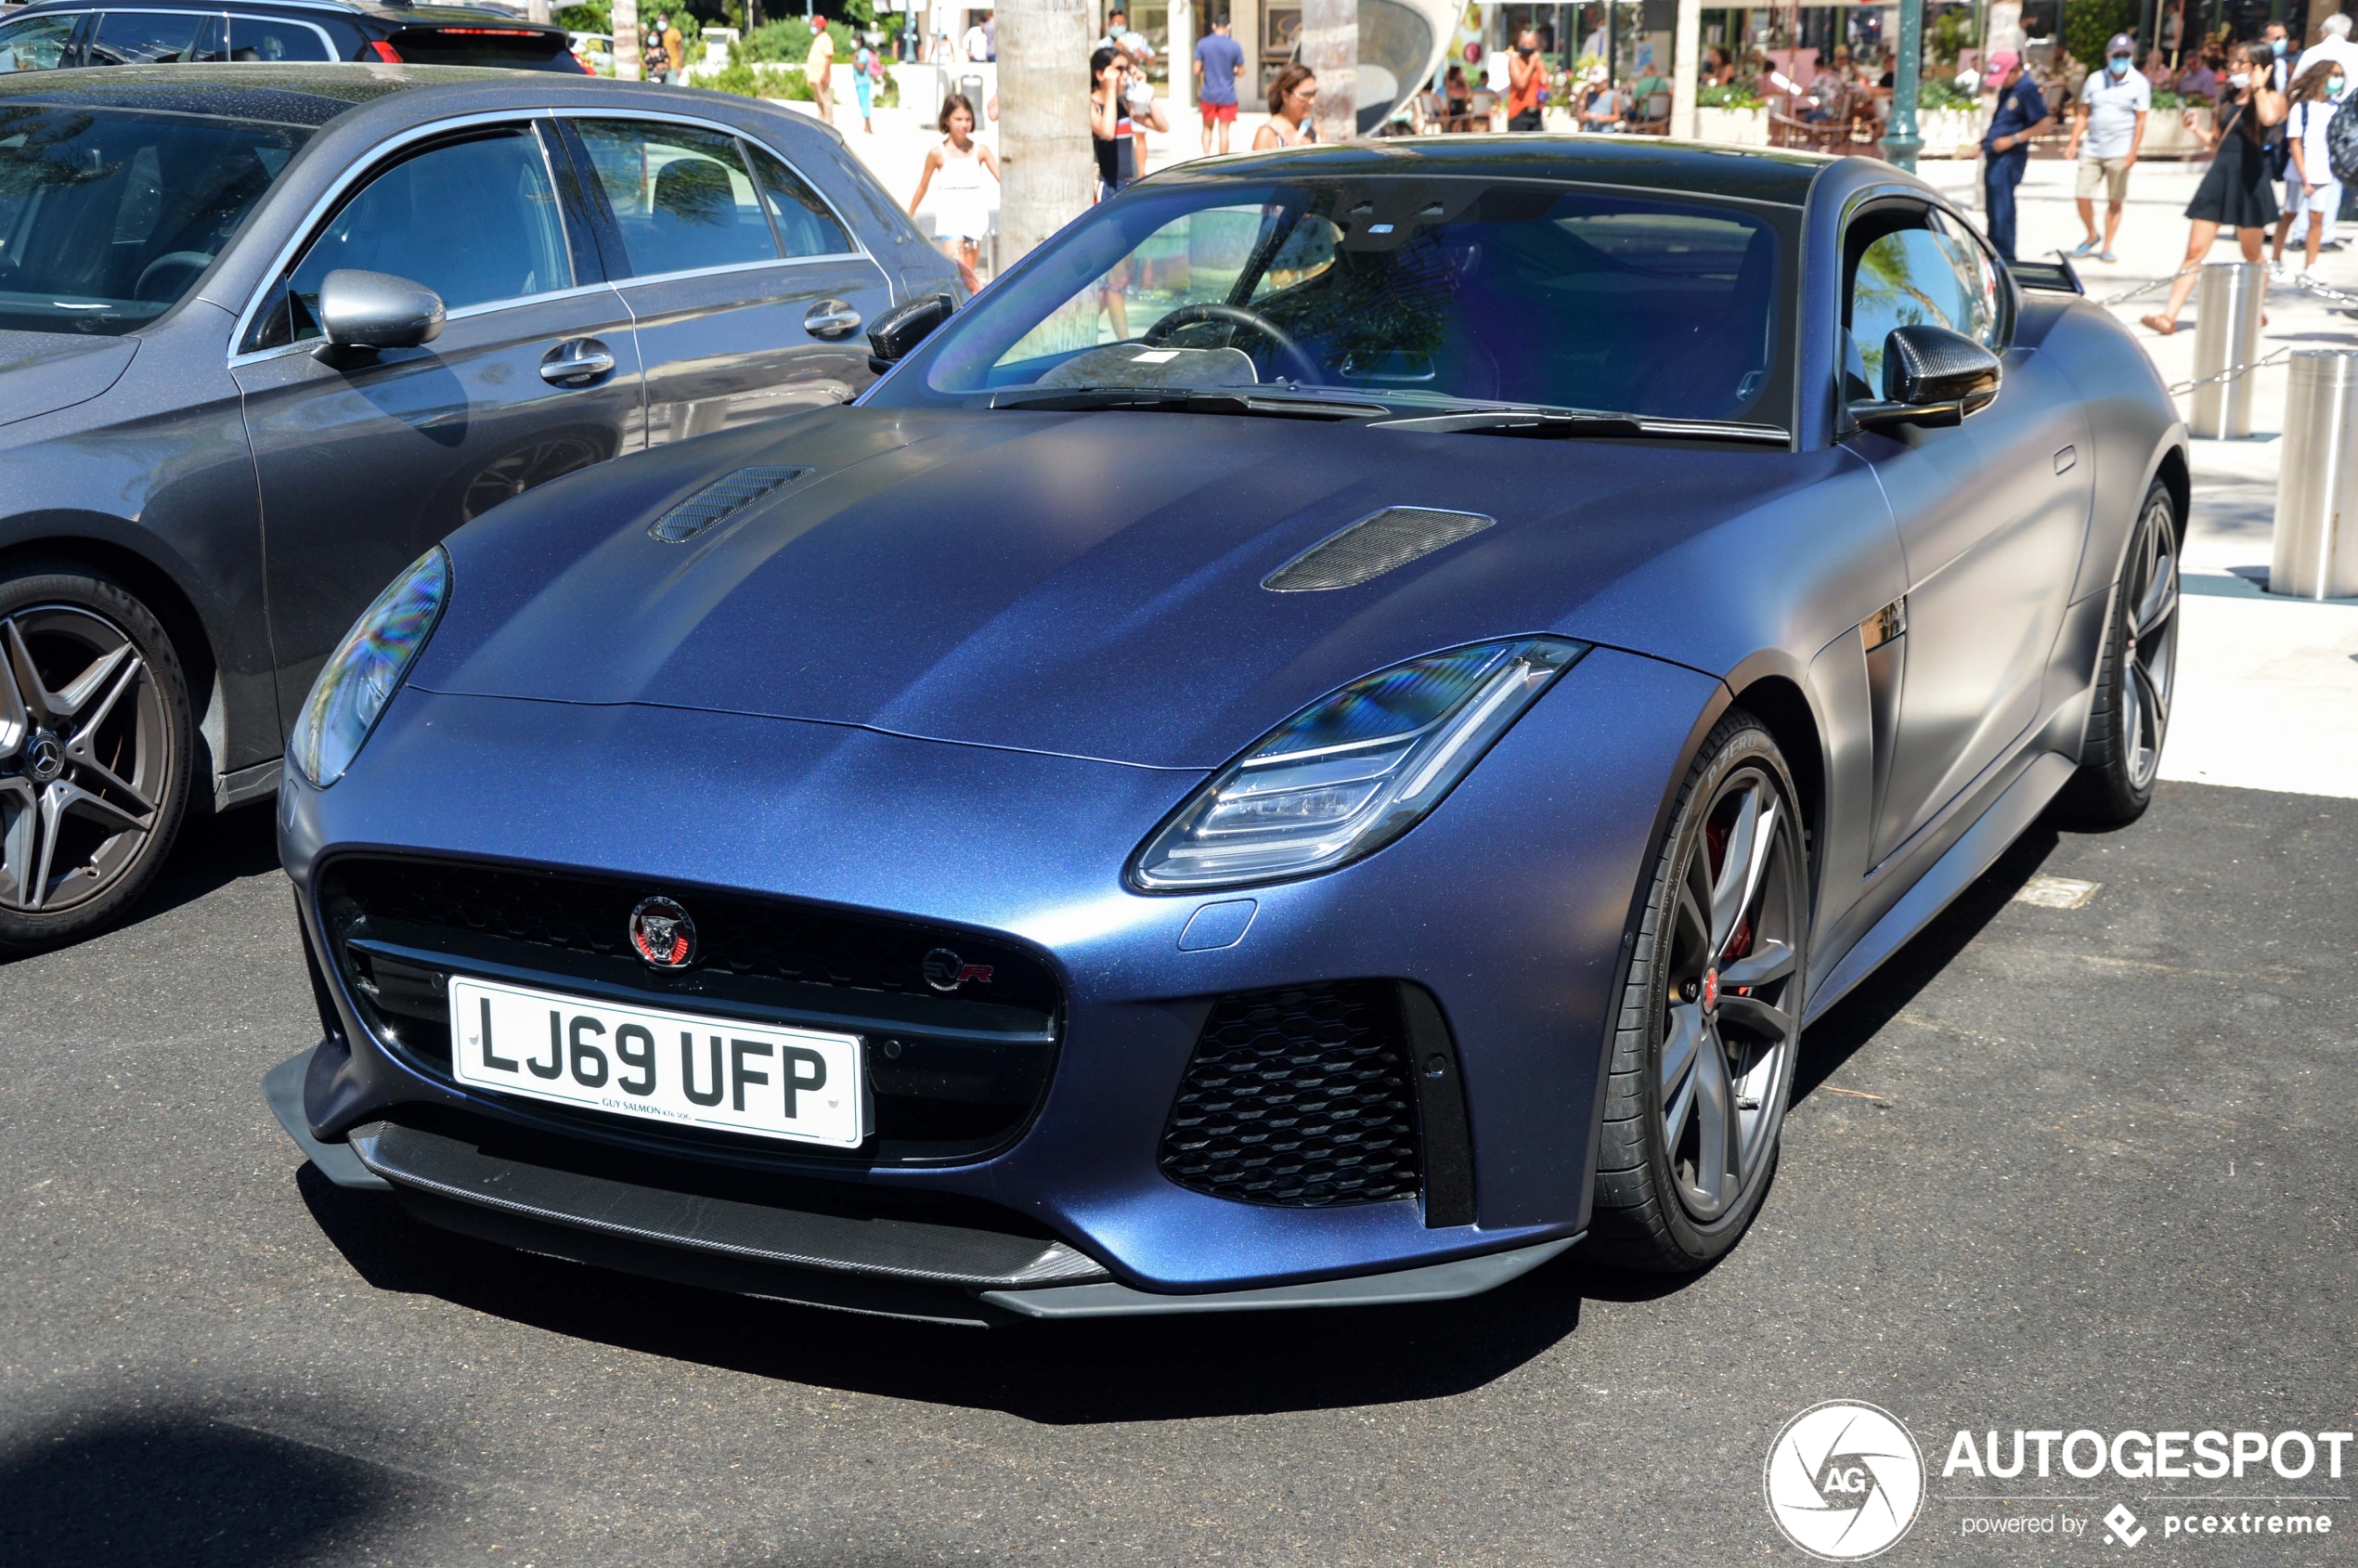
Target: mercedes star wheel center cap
(45, 759)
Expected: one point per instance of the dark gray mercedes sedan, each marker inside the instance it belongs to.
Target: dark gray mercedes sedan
(267, 333)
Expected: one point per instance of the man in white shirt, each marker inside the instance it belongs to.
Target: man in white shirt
(2333, 45)
(2106, 136)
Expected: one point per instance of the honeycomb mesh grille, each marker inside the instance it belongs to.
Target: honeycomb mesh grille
(725, 495)
(1298, 1098)
(1370, 548)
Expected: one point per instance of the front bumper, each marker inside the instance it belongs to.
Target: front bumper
(1508, 907)
(860, 1263)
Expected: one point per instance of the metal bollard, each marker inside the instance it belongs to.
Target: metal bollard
(2227, 304)
(2316, 554)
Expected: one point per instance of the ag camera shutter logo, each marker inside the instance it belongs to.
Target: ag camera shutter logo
(1843, 1480)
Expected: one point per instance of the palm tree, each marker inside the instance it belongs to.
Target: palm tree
(1051, 170)
(1330, 47)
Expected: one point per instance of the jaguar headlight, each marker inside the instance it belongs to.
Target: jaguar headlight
(368, 666)
(1354, 771)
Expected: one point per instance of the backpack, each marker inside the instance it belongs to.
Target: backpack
(2341, 145)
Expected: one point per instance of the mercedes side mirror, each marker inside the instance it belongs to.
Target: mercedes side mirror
(373, 310)
(905, 326)
(1932, 377)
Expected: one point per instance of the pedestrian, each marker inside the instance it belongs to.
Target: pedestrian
(1109, 122)
(2234, 193)
(2106, 133)
(1145, 114)
(2021, 118)
(977, 44)
(866, 72)
(675, 51)
(1526, 81)
(2334, 45)
(2313, 193)
(1294, 97)
(1220, 62)
(819, 69)
(1116, 23)
(1599, 104)
(961, 215)
(2198, 81)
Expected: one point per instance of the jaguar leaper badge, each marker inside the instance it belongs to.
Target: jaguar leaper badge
(664, 935)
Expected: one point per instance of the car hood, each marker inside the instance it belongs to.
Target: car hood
(1087, 585)
(42, 372)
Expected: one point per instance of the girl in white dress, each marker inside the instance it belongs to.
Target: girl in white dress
(2312, 195)
(961, 215)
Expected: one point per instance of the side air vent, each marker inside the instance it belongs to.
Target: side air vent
(725, 496)
(1383, 542)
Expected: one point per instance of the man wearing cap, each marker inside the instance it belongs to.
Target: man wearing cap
(2106, 134)
(2005, 148)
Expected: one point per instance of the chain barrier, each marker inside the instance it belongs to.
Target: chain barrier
(2128, 294)
(2230, 374)
(2324, 291)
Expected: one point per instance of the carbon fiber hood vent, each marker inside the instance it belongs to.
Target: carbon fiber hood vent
(1381, 542)
(729, 494)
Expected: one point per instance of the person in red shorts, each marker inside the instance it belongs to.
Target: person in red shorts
(1220, 59)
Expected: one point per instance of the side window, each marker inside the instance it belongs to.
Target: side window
(476, 221)
(37, 42)
(150, 37)
(266, 39)
(1906, 277)
(1980, 274)
(681, 195)
(806, 226)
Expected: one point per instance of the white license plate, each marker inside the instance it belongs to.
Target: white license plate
(688, 1069)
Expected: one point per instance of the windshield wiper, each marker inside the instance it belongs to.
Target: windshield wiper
(1183, 400)
(1546, 423)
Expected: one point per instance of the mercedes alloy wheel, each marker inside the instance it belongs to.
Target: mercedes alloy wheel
(94, 753)
(1704, 1064)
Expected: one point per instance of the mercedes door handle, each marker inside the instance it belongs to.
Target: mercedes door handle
(831, 318)
(576, 363)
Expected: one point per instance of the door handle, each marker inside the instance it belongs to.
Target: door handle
(576, 363)
(831, 318)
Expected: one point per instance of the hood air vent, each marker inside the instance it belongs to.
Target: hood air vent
(725, 496)
(1383, 542)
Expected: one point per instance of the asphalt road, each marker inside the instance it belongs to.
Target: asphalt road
(2054, 1169)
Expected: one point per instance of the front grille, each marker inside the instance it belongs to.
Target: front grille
(955, 1074)
(1300, 1098)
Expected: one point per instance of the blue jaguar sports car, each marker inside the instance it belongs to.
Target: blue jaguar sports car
(1319, 742)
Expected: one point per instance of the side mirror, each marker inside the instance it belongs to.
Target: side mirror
(1932, 377)
(372, 310)
(905, 326)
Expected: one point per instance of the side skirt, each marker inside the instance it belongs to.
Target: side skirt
(1974, 852)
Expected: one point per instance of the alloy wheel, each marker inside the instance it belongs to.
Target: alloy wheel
(1731, 1000)
(2150, 662)
(85, 754)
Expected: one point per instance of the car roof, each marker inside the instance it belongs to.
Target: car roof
(389, 11)
(1654, 163)
(314, 94)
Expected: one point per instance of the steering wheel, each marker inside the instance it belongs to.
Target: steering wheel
(1238, 315)
(196, 261)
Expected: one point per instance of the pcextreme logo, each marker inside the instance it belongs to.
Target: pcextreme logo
(1843, 1480)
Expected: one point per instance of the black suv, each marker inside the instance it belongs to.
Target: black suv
(87, 32)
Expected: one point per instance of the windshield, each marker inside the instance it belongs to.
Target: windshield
(1409, 292)
(107, 216)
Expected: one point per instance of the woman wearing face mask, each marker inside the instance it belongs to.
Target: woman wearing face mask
(2235, 193)
(1526, 83)
(2106, 133)
(2311, 193)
